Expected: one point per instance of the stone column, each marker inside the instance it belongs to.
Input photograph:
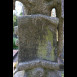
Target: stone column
(37, 54)
(60, 15)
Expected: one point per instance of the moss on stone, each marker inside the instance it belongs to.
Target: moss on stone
(43, 47)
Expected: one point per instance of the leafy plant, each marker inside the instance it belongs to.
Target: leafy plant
(14, 46)
(14, 21)
(62, 75)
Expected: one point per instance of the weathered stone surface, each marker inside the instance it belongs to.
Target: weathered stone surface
(62, 6)
(39, 37)
(39, 6)
(39, 41)
(39, 63)
(38, 72)
(19, 74)
(44, 7)
(60, 15)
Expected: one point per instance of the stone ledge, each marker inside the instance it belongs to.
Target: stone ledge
(38, 63)
(53, 20)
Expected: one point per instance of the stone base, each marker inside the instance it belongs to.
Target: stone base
(37, 73)
(19, 74)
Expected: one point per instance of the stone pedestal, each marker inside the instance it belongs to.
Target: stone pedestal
(38, 50)
(38, 46)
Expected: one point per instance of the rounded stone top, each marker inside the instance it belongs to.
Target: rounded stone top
(39, 6)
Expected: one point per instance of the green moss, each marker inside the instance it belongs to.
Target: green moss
(49, 38)
(43, 50)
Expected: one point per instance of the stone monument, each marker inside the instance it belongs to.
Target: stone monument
(39, 54)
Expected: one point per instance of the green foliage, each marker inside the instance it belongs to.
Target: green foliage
(21, 13)
(62, 75)
(14, 46)
(14, 21)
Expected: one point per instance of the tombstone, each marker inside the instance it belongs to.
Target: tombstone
(38, 49)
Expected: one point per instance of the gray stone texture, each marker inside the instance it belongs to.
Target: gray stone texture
(19, 74)
(38, 6)
(38, 47)
(39, 63)
(38, 72)
(44, 7)
(60, 15)
(37, 37)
